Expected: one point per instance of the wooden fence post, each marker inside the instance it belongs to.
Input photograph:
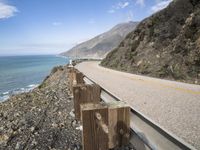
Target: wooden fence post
(95, 127)
(85, 93)
(71, 77)
(119, 124)
(104, 126)
(79, 78)
(115, 131)
(75, 77)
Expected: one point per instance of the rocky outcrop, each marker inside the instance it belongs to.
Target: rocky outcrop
(99, 46)
(165, 45)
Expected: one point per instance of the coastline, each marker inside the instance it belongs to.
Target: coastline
(42, 118)
(6, 95)
(21, 74)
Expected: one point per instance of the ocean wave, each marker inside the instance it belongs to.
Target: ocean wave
(6, 95)
(32, 85)
(61, 56)
(4, 98)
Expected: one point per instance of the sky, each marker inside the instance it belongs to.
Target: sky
(33, 27)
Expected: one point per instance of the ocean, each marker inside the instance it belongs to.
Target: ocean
(23, 73)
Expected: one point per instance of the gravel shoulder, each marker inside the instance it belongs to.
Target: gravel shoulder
(173, 105)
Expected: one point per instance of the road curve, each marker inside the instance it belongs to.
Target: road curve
(173, 105)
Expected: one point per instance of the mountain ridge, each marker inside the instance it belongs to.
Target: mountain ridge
(100, 45)
(164, 45)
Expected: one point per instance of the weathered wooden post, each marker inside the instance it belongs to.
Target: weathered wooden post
(85, 93)
(109, 121)
(75, 77)
(105, 126)
(95, 127)
(119, 124)
(79, 77)
(71, 77)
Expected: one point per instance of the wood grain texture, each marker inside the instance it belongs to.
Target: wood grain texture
(85, 94)
(119, 124)
(94, 135)
(79, 78)
(72, 79)
(75, 77)
(117, 128)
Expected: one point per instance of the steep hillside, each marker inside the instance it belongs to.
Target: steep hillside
(165, 45)
(99, 46)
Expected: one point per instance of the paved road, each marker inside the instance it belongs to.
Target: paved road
(173, 105)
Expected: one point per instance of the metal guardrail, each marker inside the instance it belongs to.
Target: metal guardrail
(146, 134)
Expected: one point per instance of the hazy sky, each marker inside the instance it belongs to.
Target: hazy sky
(53, 26)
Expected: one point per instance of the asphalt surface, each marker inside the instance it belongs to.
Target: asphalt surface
(175, 106)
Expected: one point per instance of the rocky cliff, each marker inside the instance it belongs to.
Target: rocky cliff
(43, 118)
(165, 45)
(99, 46)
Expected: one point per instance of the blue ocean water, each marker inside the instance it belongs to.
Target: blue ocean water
(23, 73)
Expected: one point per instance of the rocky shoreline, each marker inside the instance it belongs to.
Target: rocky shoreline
(43, 118)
